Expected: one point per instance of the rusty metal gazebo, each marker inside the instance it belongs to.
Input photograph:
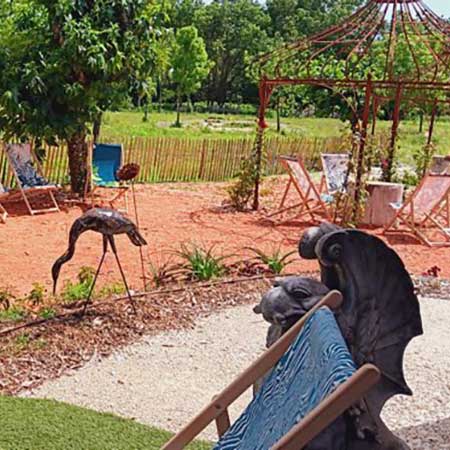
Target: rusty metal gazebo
(390, 49)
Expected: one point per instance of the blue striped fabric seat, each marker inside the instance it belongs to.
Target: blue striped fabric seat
(316, 363)
(106, 161)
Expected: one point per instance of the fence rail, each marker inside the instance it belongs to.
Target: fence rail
(166, 159)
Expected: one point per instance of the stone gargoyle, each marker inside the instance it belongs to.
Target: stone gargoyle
(379, 316)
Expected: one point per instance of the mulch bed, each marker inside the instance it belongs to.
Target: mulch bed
(31, 355)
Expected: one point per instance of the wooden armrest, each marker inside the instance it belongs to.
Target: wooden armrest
(246, 379)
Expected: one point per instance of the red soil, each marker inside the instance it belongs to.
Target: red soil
(170, 214)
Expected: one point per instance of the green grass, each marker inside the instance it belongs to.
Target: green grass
(122, 124)
(29, 424)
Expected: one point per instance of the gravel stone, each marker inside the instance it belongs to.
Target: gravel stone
(166, 379)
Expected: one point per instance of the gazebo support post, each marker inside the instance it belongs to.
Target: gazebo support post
(387, 173)
(265, 91)
(432, 122)
(374, 114)
(362, 146)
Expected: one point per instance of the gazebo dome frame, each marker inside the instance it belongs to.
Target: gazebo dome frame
(384, 29)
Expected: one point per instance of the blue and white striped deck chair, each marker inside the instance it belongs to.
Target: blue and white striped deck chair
(314, 380)
(29, 177)
(106, 161)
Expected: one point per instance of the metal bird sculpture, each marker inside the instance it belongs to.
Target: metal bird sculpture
(109, 223)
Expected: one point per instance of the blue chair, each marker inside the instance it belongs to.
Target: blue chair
(106, 161)
(313, 381)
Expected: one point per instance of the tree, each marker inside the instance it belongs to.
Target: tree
(190, 64)
(235, 32)
(63, 63)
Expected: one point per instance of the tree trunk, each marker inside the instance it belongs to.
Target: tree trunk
(96, 127)
(160, 95)
(78, 163)
(178, 123)
(421, 122)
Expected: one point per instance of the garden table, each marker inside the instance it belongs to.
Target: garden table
(379, 209)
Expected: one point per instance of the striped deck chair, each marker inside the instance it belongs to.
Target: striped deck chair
(335, 168)
(426, 214)
(314, 380)
(106, 161)
(30, 181)
(312, 203)
(3, 213)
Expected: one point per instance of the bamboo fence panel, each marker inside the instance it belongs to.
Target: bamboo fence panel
(164, 159)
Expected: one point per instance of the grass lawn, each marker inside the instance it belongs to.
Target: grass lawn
(29, 424)
(229, 126)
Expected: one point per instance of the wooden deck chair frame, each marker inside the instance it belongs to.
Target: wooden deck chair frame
(406, 215)
(307, 206)
(346, 395)
(34, 191)
(122, 189)
(3, 213)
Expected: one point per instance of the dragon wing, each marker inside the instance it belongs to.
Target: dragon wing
(380, 313)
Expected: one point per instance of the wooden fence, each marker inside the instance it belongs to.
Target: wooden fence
(173, 159)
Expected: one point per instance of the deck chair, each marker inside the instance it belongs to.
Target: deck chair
(314, 380)
(106, 161)
(426, 214)
(335, 172)
(440, 165)
(30, 181)
(312, 202)
(3, 213)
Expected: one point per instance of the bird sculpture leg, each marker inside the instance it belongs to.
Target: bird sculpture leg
(105, 250)
(114, 249)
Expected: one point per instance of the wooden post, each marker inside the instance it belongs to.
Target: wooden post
(387, 175)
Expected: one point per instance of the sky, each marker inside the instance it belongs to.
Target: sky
(441, 7)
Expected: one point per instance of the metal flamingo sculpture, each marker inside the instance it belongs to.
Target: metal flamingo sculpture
(107, 222)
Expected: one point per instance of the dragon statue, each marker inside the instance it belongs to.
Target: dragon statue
(379, 316)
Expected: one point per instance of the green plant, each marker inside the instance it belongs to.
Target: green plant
(6, 298)
(47, 313)
(73, 292)
(12, 314)
(22, 341)
(276, 261)
(201, 263)
(37, 294)
(241, 191)
(163, 273)
(422, 157)
(112, 289)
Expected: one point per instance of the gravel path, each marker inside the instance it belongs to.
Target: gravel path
(164, 380)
